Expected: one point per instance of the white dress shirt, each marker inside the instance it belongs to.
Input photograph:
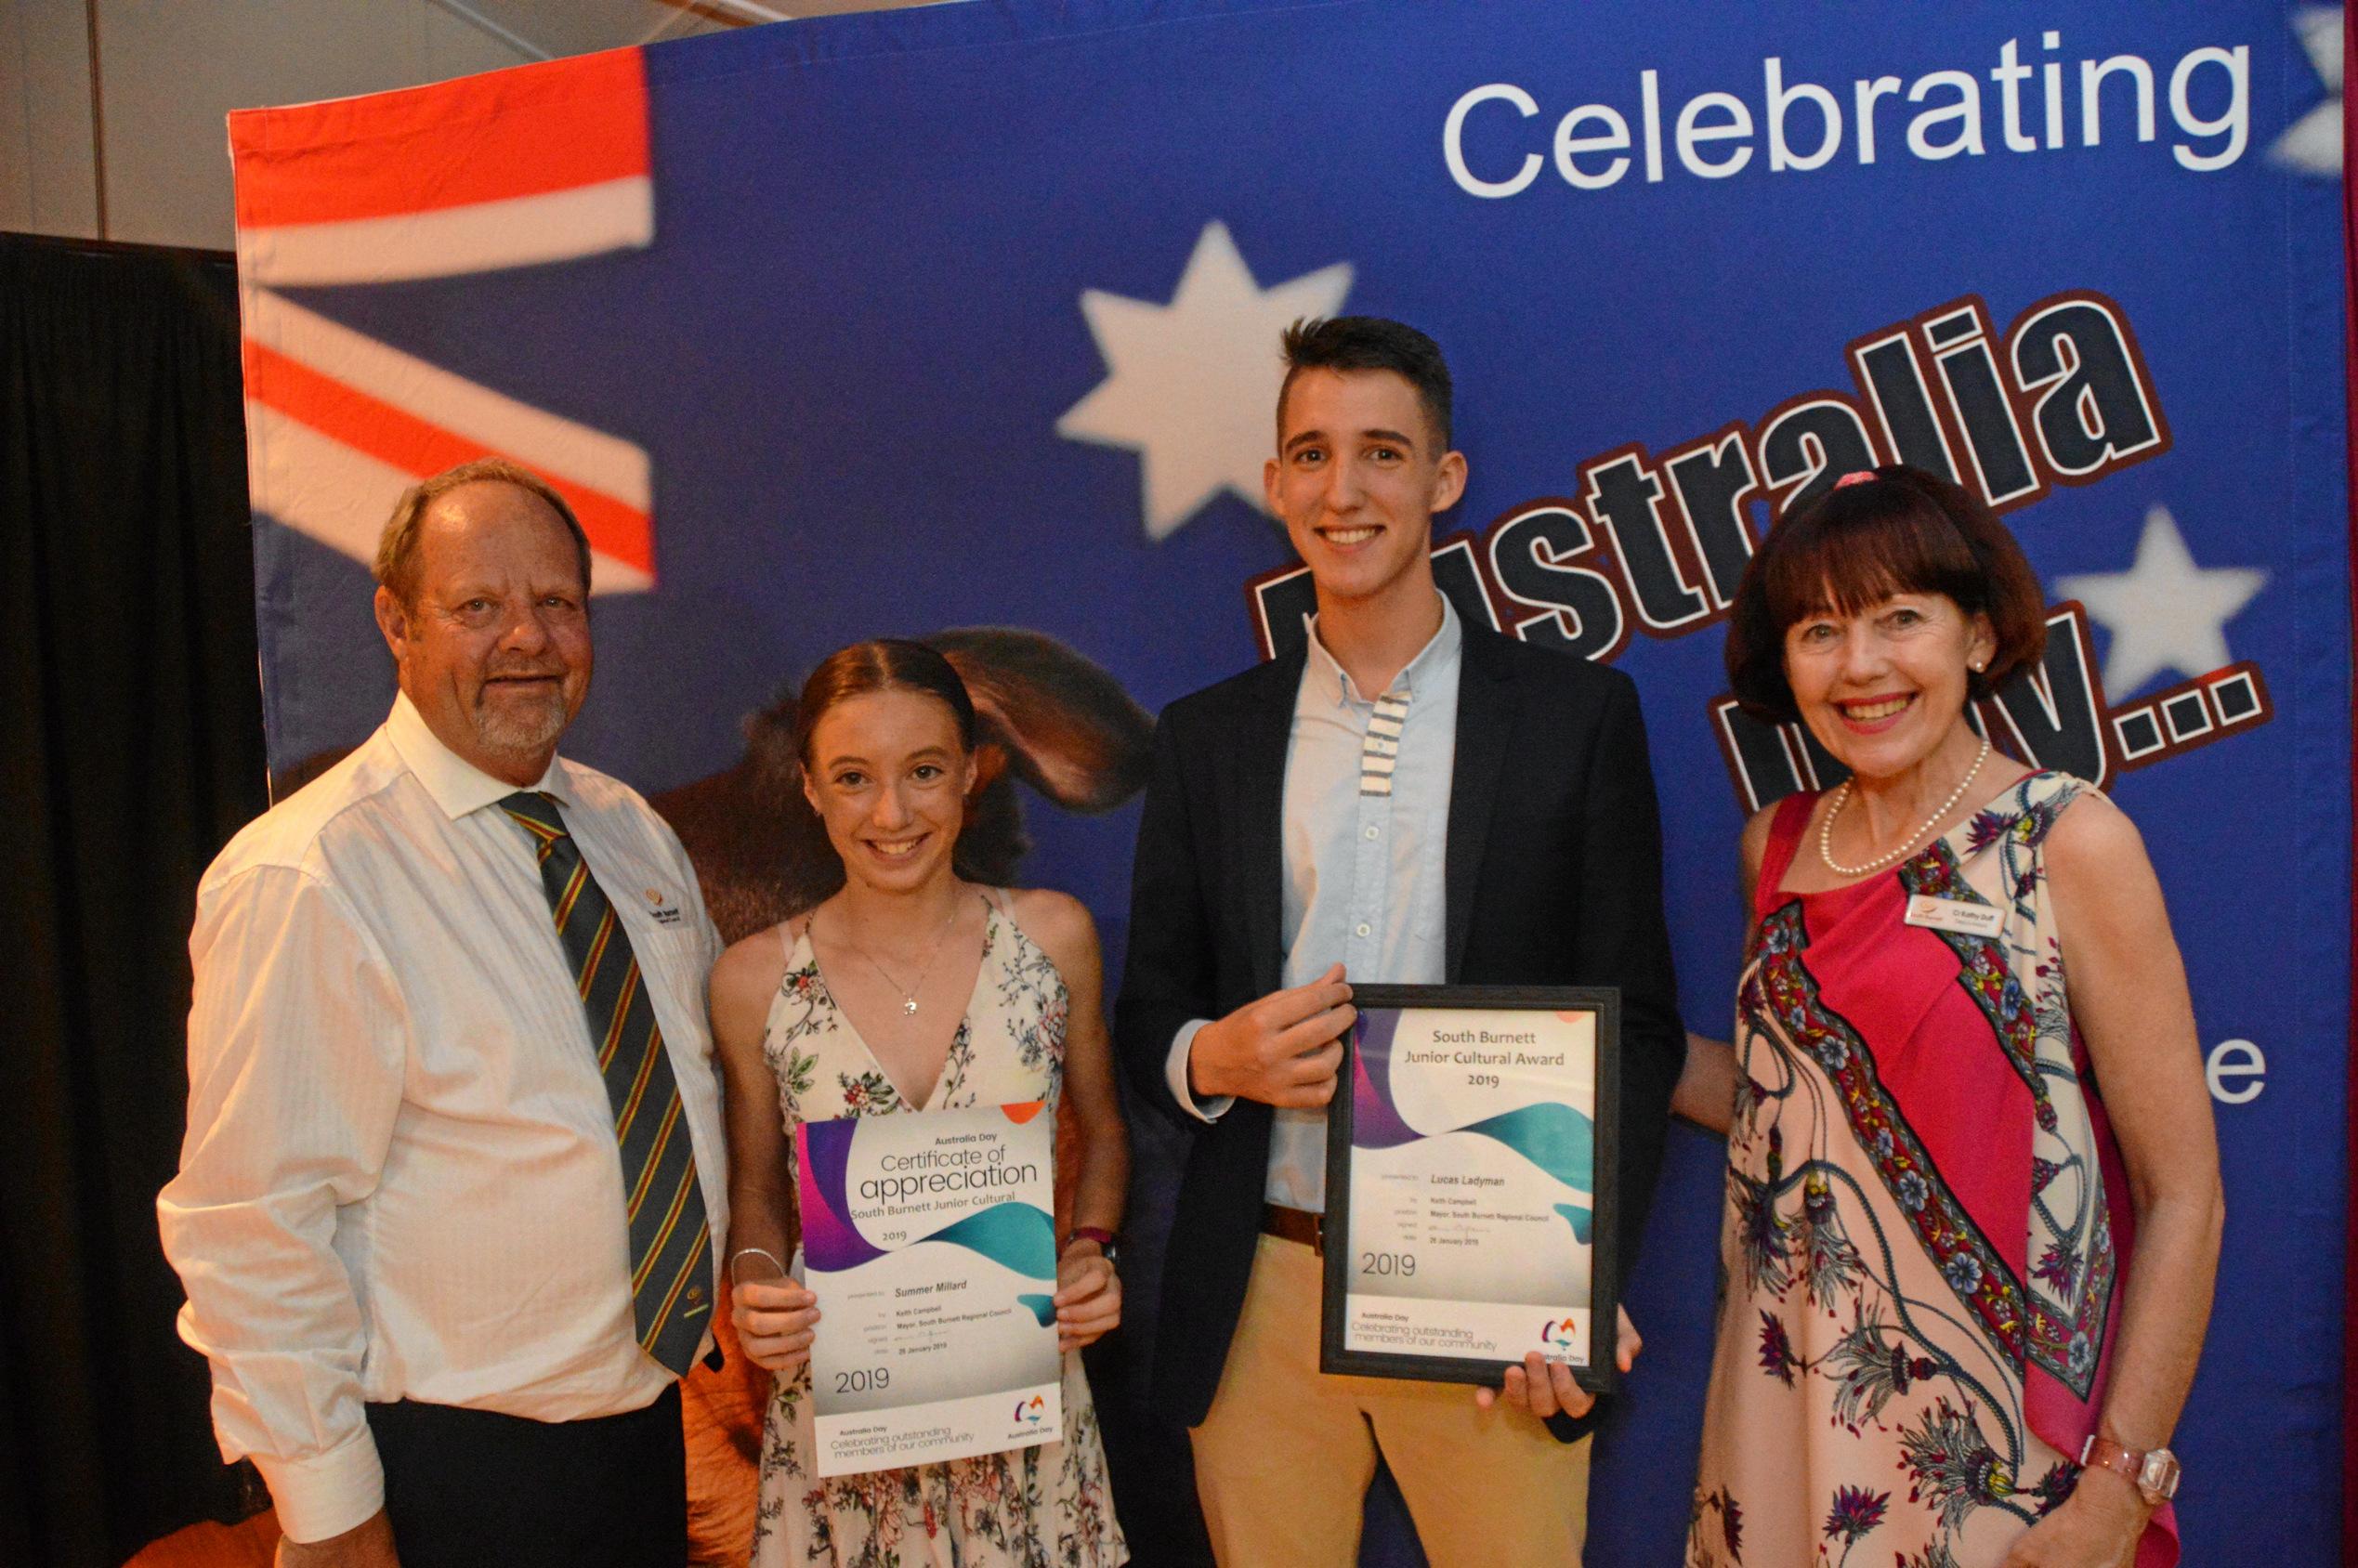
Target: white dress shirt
(400, 1179)
(1364, 873)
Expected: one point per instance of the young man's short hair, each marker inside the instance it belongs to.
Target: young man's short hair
(1371, 343)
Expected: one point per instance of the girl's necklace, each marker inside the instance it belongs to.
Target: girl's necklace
(907, 993)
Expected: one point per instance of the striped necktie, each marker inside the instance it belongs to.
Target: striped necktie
(1380, 748)
(670, 1244)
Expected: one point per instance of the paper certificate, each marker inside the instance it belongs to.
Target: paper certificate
(929, 1242)
(1463, 1223)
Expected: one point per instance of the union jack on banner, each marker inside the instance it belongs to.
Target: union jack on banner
(546, 163)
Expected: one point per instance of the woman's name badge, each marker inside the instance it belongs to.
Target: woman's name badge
(1948, 914)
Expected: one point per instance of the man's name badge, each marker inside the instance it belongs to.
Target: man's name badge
(1948, 914)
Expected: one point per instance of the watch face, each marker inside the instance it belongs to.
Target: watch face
(2157, 1477)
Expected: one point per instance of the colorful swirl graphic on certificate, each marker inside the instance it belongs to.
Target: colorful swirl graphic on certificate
(929, 1240)
(1471, 1163)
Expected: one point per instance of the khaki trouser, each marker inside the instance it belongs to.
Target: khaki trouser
(1284, 1457)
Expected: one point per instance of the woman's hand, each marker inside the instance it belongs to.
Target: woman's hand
(2097, 1526)
(1088, 1296)
(774, 1322)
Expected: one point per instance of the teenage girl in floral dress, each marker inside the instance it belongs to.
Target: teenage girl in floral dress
(914, 989)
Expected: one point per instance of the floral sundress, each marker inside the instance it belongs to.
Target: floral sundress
(1045, 1507)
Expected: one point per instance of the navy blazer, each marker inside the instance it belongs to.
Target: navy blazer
(1553, 876)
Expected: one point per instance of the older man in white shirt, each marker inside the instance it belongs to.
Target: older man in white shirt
(454, 1156)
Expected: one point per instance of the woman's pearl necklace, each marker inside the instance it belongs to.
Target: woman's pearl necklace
(1843, 798)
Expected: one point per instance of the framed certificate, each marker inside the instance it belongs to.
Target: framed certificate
(929, 1240)
(1470, 1183)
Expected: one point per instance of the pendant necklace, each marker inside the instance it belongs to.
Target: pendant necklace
(909, 993)
(1843, 798)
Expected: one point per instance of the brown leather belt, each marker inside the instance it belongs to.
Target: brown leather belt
(1295, 1224)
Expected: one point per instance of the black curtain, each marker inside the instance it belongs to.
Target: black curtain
(130, 749)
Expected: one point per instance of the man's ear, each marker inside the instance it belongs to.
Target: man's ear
(1448, 481)
(393, 619)
(1269, 487)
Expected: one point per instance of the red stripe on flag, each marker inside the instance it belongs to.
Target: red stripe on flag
(527, 131)
(394, 436)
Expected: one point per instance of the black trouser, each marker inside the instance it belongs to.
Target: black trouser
(471, 1488)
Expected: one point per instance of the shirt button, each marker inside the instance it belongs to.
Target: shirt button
(1373, 832)
(1362, 928)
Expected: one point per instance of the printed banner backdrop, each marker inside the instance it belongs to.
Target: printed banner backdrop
(965, 318)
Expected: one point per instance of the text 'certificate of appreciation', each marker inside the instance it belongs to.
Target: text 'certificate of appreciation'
(1468, 1233)
(929, 1241)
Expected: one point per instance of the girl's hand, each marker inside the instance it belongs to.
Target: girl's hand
(1088, 1296)
(774, 1322)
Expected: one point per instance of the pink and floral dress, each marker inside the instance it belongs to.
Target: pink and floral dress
(1926, 1223)
(1045, 1507)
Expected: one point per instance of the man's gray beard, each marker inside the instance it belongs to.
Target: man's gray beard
(526, 734)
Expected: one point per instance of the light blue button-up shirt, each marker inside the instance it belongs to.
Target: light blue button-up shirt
(1364, 873)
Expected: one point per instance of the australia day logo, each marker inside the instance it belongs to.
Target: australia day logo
(1556, 1334)
(1028, 1411)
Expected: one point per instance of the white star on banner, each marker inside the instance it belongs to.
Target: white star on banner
(2165, 612)
(1193, 384)
(2312, 143)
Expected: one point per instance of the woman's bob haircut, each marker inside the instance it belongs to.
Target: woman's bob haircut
(1900, 531)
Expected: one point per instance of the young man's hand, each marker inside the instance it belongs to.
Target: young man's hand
(1545, 1388)
(1283, 1049)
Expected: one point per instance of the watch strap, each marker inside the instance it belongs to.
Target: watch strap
(2153, 1472)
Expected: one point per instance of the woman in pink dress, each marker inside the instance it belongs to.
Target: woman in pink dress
(1936, 1347)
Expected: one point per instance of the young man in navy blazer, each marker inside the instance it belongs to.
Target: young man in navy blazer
(1406, 799)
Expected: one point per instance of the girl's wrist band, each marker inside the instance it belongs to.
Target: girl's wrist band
(753, 1253)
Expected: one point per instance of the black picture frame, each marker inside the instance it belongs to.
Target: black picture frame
(1598, 1375)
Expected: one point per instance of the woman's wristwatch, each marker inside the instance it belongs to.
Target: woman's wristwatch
(2153, 1472)
(1107, 1243)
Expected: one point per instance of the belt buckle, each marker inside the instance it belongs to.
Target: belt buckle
(1291, 1223)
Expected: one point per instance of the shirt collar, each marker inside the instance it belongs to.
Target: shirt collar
(1330, 683)
(457, 785)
